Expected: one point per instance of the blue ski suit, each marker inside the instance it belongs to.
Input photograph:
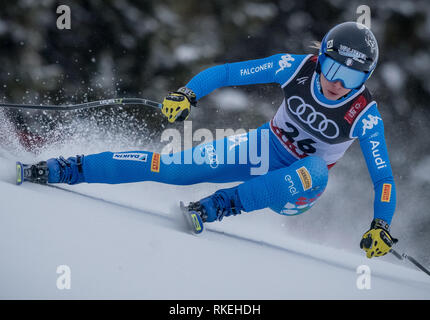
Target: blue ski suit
(284, 163)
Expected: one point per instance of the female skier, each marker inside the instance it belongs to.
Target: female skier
(326, 107)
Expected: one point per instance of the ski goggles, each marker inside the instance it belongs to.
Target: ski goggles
(334, 71)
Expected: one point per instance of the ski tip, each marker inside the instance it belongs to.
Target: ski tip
(197, 222)
(19, 173)
(194, 220)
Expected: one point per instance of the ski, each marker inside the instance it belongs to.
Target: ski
(193, 219)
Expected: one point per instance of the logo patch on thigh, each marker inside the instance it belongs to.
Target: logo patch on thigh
(305, 178)
(155, 162)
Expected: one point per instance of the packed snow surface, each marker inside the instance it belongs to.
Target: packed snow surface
(130, 242)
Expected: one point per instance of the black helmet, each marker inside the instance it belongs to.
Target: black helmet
(350, 44)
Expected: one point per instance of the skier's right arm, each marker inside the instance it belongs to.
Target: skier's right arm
(274, 69)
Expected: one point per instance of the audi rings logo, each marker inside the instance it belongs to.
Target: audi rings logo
(211, 155)
(315, 120)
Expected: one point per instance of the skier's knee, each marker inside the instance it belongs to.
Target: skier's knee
(317, 169)
(305, 181)
(305, 178)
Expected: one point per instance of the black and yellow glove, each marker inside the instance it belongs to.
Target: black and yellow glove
(177, 105)
(377, 241)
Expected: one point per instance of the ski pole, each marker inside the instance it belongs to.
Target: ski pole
(403, 256)
(86, 105)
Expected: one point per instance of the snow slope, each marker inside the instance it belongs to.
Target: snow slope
(128, 242)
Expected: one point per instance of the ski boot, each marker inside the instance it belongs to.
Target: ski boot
(222, 203)
(55, 170)
(36, 173)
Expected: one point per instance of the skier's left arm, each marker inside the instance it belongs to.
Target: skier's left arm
(369, 129)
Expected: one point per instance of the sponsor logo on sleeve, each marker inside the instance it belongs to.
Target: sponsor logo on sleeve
(133, 156)
(356, 107)
(285, 62)
(369, 123)
(380, 163)
(263, 67)
(386, 192)
(155, 162)
(305, 178)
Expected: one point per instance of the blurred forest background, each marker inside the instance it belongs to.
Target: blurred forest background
(145, 48)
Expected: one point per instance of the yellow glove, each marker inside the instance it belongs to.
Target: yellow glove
(177, 105)
(377, 241)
